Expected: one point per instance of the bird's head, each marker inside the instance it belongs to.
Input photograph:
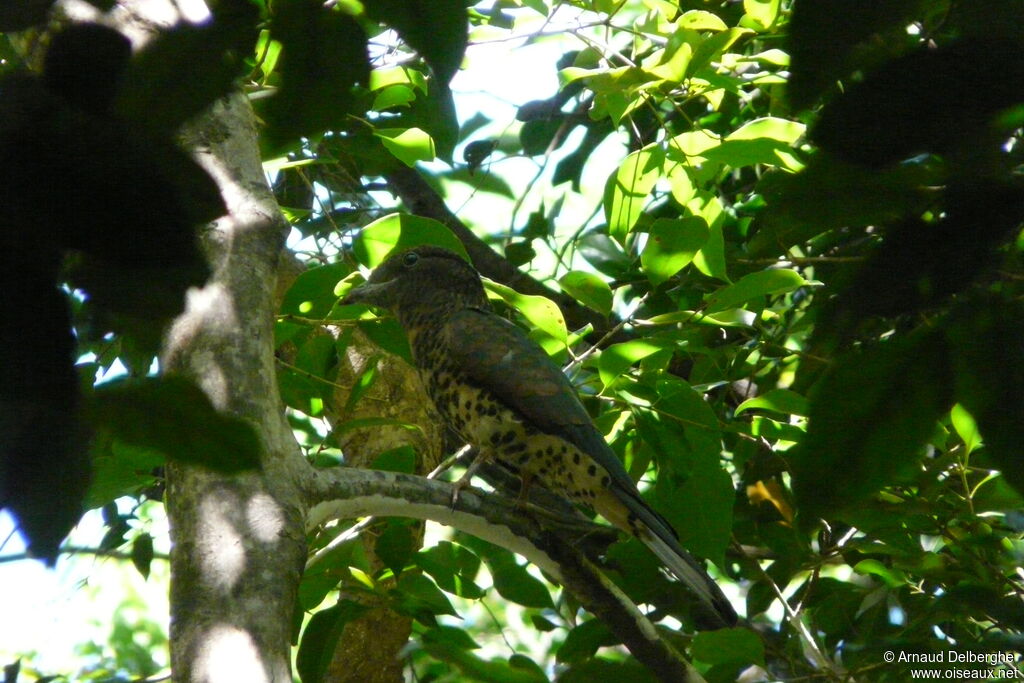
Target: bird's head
(422, 281)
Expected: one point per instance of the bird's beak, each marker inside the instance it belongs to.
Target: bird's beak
(372, 294)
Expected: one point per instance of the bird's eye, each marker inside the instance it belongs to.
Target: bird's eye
(410, 259)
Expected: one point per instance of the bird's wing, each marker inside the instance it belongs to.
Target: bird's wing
(498, 356)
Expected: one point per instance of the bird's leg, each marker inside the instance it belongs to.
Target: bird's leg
(481, 457)
(525, 479)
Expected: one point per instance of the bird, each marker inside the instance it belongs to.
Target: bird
(500, 392)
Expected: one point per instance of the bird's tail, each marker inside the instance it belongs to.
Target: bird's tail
(714, 609)
(717, 611)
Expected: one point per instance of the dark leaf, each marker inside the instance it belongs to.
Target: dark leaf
(904, 108)
(172, 416)
(870, 419)
(419, 597)
(584, 641)
(85, 65)
(184, 70)
(44, 460)
(920, 264)
(520, 253)
(18, 15)
(453, 567)
(401, 459)
(450, 635)
(830, 193)
(536, 136)
(988, 365)
(395, 546)
(818, 63)
(323, 58)
(514, 583)
(319, 640)
(142, 553)
(729, 646)
(437, 29)
(478, 669)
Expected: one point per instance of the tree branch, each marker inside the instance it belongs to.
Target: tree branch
(537, 535)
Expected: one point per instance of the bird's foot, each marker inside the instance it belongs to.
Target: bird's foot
(464, 481)
(458, 486)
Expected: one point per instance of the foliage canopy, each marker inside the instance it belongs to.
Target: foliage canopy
(792, 301)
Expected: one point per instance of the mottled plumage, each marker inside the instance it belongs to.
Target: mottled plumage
(500, 392)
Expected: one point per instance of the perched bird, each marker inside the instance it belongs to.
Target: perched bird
(499, 391)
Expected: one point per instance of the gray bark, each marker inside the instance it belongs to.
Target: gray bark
(239, 540)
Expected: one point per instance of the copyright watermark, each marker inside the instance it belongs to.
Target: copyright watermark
(959, 664)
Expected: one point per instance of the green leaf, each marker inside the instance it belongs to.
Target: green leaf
(451, 636)
(701, 20)
(618, 358)
(729, 646)
(966, 427)
(478, 669)
(142, 553)
(584, 640)
(893, 578)
(710, 260)
(540, 311)
(400, 459)
(514, 583)
(395, 96)
(453, 567)
(628, 189)
(779, 400)
(671, 245)
(767, 141)
(692, 490)
(172, 416)
(763, 13)
(124, 471)
(398, 231)
(589, 290)
(320, 639)
(757, 285)
(420, 597)
(395, 546)
(409, 145)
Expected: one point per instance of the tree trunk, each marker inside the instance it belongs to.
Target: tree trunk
(239, 540)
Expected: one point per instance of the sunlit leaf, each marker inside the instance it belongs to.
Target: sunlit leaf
(671, 244)
(628, 189)
(409, 145)
(778, 400)
(757, 285)
(399, 231)
(540, 311)
(588, 289)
